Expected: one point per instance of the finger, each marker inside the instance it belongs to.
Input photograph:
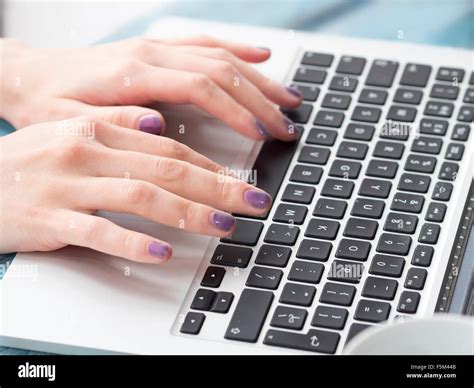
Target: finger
(135, 117)
(152, 202)
(120, 138)
(284, 96)
(184, 179)
(244, 52)
(227, 77)
(104, 236)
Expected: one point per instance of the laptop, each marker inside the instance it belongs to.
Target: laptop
(366, 229)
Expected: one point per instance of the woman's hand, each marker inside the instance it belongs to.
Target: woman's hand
(111, 82)
(55, 176)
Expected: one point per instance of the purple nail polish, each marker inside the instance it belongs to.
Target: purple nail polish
(295, 92)
(257, 199)
(291, 127)
(261, 129)
(222, 221)
(158, 249)
(150, 124)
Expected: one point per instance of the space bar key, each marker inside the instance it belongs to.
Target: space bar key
(249, 315)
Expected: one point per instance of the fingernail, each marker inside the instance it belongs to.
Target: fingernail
(150, 124)
(222, 221)
(265, 49)
(261, 129)
(291, 127)
(293, 91)
(158, 249)
(257, 199)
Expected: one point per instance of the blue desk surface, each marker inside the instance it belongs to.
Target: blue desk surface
(435, 22)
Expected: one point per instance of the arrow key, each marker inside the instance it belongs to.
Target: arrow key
(222, 302)
(213, 277)
(203, 299)
(192, 323)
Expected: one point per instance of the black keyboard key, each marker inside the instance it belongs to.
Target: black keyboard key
(366, 113)
(343, 84)
(448, 171)
(401, 113)
(382, 73)
(321, 136)
(203, 299)
(314, 341)
(460, 132)
(454, 151)
(372, 311)
(395, 131)
(321, 228)
(447, 92)
(351, 65)
(409, 203)
(345, 169)
(329, 317)
(420, 163)
(222, 302)
(362, 132)
(394, 244)
(385, 265)
(436, 212)
(466, 114)
(471, 78)
(469, 96)
(338, 294)
(408, 96)
(415, 75)
(337, 188)
(282, 234)
(313, 76)
(375, 188)
(382, 169)
(336, 101)
(213, 277)
(289, 318)
(314, 250)
(327, 118)
(414, 183)
(306, 174)
(380, 288)
(330, 208)
(306, 272)
(449, 74)
(246, 233)
(314, 155)
(249, 315)
(439, 109)
(345, 271)
(297, 294)
(429, 233)
(369, 208)
(273, 255)
(352, 150)
(353, 249)
(262, 277)
(192, 323)
(427, 145)
(416, 278)
(433, 127)
(422, 255)
(400, 223)
(373, 96)
(317, 59)
(442, 191)
(298, 194)
(232, 256)
(360, 228)
(408, 302)
(291, 214)
(310, 93)
(389, 150)
(355, 329)
(299, 115)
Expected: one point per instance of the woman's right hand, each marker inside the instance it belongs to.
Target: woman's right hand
(56, 175)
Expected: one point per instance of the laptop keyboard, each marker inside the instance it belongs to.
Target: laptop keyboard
(351, 236)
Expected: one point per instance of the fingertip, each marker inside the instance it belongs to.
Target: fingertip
(152, 123)
(159, 251)
(257, 54)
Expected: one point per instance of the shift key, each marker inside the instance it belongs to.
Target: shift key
(249, 315)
